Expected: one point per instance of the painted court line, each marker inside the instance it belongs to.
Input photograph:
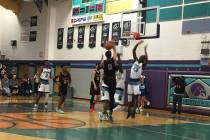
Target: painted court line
(10, 136)
(163, 133)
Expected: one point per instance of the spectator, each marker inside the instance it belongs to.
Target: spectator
(25, 86)
(5, 86)
(13, 84)
(36, 81)
(178, 93)
(3, 71)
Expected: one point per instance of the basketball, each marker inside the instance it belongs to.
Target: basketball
(109, 45)
(136, 35)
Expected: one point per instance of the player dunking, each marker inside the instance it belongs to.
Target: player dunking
(134, 81)
(95, 87)
(44, 87)
(109, 83)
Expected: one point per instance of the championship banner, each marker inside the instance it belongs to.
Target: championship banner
(81, 36)
(92, 36)
(60, 38)
(70, 37)
(105, 33)
(33, 21)
(85, 11)
(197, 90)
(116, 32)
(32, 36)
(126, 29)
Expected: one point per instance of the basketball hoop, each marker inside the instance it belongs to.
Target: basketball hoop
(133, 35)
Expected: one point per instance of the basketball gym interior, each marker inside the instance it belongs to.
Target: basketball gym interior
(72, 33)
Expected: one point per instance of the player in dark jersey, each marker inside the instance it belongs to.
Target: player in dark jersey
(109, 83)
(95, 87)
(63, 80)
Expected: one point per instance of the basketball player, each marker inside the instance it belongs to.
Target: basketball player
(119, 93)
(44, 87)
(134, 81)
(64, 81)
(109, 83)
(95, 87)
(142, 98)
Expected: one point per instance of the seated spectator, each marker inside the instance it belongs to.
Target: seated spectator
(5, 86)
(25, 86)
(13, 84)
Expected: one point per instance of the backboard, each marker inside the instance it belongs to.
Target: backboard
(142, 20)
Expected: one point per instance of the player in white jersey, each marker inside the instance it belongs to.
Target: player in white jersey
(134, 80)
(44, 87)
(120, 90)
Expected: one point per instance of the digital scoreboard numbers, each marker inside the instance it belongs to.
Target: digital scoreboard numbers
(79, 11)
(88, 11)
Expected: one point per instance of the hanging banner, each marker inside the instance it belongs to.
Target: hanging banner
(33, 21)
(116, 32)
(60, 38)
(126, 29)
(92, 36)
(70, 37)
(81, 36)
(84, 11)
(105, 33)
(32, 36)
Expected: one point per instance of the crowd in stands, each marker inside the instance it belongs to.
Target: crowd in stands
(10, 85)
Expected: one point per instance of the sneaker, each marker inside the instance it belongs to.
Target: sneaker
(60, 111)
(101, 116)
(91, 110)
(118, 108)
(35, 108)
(141, 110)
(148, 103)
(45, 108)
(137, 111)
(129, 115)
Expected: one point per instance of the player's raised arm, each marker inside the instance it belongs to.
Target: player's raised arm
(134, 50)
(102, 61)
(146, 54)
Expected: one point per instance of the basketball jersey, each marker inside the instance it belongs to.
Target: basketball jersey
(109, 68)
(120, 80)
(65, 79)
(46, 73)
(136, 70)
(97, 77)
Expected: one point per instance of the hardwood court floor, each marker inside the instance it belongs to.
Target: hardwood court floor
(18, 122)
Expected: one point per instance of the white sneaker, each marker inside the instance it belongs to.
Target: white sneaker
(45, 108)
(148, 103)
(137, 110)
(118, 108)
(60, 111)
(35, 108)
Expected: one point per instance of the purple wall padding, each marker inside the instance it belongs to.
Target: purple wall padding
(156, 82)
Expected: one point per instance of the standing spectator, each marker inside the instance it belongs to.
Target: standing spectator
(5, 86)
(36, 81)
(3, 71)
(13, 84)
(178, 93)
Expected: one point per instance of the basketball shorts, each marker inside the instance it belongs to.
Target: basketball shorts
(133, 89)
(104, 93)
(44, 88)
(119, 96)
